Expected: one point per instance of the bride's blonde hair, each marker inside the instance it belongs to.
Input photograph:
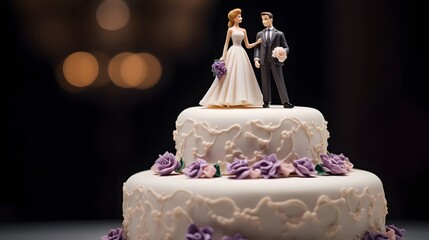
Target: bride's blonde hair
(232, 14)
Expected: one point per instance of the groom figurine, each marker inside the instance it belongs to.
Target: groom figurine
(269, 65)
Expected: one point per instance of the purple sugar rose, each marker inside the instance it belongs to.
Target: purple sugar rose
(239, 167)
(114, 234)
(195, 169)
(269, 166)
(305, 167)
(195, 233)
(237, 236)
(165, 164)
(392, 232)
(334, 164)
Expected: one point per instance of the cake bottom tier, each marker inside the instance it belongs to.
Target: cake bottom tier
(321, 207)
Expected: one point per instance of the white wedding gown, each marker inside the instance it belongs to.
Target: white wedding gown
(238, 87)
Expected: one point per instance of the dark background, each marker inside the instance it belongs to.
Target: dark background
(65, 154)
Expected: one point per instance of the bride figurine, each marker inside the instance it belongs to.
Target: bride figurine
(238, 87)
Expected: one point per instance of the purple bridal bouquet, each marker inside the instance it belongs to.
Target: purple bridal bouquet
(218, 68)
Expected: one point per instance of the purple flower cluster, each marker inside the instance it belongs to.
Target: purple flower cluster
(239, 168)
(114, 234)
(305, 167)
(392, 232)
(218, 68)
(201, 169)
(335, 164)
(195, 233)
(166, 164)
(195, 169)
(270, 167)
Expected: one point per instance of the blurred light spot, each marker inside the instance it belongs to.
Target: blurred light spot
(113, 14)
(133, 70)
(154, 71)
(114, 69)
(80, 69)
(63, 83)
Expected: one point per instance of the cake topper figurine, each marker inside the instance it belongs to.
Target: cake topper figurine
(237, 86)
(269, 57)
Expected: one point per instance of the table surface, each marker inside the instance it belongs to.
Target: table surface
(88, 230)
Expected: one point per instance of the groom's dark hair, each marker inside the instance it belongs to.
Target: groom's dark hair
(269, 14)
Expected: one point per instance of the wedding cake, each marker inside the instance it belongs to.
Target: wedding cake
(253, 173)
(245, 169)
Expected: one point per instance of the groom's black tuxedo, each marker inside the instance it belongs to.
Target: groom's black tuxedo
(270, 66)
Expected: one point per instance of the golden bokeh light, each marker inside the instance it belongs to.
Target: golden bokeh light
(80, 69)
(114, 69)
(113, 14)
(134, 70)
(155, 71)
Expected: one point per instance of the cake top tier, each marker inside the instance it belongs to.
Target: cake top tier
(218, 135)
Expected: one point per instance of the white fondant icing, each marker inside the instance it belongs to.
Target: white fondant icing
(323, 207)
(220, 134)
